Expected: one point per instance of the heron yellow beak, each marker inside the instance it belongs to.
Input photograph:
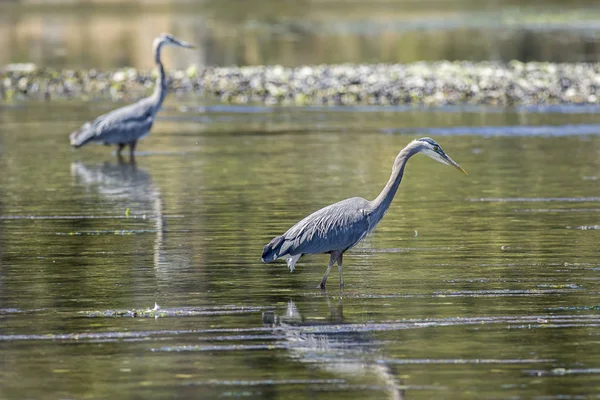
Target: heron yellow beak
(455, 165)
(187, 45)
(181, 43)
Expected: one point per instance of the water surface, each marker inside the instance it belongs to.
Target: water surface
(478, 286)
(102, 34)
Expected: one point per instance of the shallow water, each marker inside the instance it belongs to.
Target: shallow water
(478, 286)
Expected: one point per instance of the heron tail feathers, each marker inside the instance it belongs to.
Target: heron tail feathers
(82, 135)
(272, 250)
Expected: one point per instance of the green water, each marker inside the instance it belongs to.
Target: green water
(107, 34)
(478, 286)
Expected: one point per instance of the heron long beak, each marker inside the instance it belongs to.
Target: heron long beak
(454, 164)
(181, 43)
(187, 45)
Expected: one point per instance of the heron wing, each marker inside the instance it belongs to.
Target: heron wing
(335, 227)
(125, 124)
(122, 125)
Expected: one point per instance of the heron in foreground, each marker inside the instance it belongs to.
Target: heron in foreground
(126, 125)
(340, 226)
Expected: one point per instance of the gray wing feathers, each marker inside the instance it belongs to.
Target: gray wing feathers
(123, 125)
(272, 250)
(335, 227)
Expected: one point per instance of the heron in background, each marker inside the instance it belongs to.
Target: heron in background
(126, 125)
(340, 226)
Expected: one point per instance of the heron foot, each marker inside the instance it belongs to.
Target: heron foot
(335, 255)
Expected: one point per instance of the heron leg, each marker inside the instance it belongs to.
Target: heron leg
(132, 150)
(339, 263)
(334, 256)
(119, 156)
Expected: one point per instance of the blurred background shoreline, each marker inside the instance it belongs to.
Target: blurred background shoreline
(108, 34)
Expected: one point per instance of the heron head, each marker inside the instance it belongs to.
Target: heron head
(432, 149)
(167, 39)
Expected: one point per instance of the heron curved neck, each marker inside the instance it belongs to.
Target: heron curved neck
(382, 202)
(160, 89)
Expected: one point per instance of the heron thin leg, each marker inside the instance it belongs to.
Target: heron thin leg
(120, 148)
(132, 150)
(339, 263)
(334, 256)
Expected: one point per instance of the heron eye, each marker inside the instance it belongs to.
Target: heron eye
(436, 148)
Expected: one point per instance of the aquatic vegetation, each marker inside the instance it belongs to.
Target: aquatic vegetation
(430, 83)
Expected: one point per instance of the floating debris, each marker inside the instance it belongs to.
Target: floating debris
(158, 312)
(585, 227)
(560, 286)
(575, 308)
(117, 232)
(563, 371)
(10, 311)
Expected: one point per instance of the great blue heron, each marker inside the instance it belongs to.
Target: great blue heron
(338, 227)
(126, 125)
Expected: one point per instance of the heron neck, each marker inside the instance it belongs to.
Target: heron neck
(160, 89)
(382, 202)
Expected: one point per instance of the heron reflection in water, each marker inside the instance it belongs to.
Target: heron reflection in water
(132, 187)
(340, 226)
(126, 125)
(348, 354)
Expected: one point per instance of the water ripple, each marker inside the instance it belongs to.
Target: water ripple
(556, 210)
(233, 347)
(512, 322)
(515, 130)
(462, 108)
(268, 382)
(468, 293)
(563, 371)
(77, 217)
(535, 199)
(158, 312)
